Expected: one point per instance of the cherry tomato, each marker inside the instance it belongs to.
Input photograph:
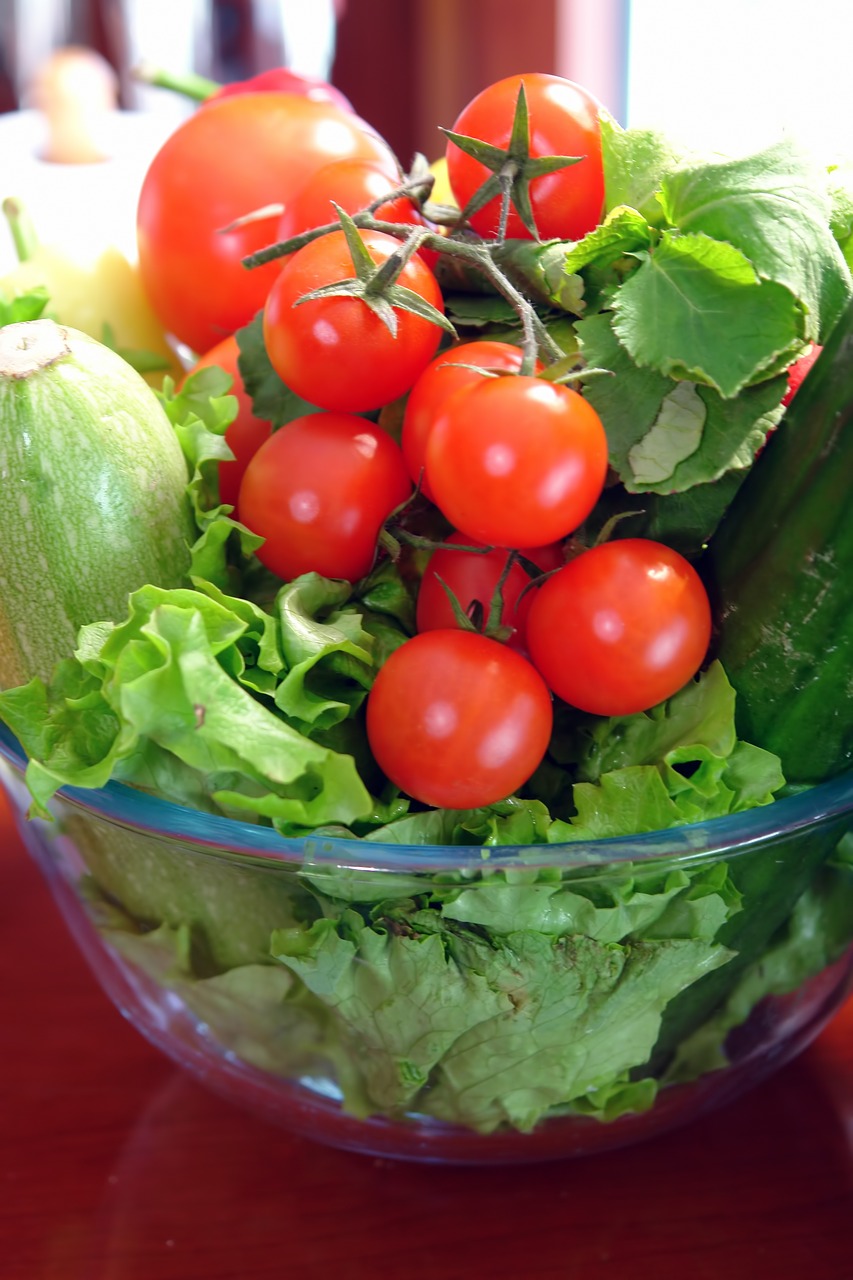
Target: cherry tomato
(318, 492)
(246, 433)
(620, 628)
(473, 576)
(457, 720)
(237, 155)
(335, 352)
(516, 461)
(283, 80)
(563, 120)
(797, 372)
(352, 184)
(439, 380)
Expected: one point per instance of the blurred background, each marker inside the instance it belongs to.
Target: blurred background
(727, 75)
(726, 72)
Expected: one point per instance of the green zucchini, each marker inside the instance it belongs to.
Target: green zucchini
(780, 574)
(94, 493)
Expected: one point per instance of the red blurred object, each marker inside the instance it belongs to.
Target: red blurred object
(282, 80)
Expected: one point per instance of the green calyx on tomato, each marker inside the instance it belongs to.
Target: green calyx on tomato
(524, 160)
(353, 319)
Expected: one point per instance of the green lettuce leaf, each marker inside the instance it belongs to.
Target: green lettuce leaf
(775, 208)
(635, 164)
(697, 308)
(489, 1030)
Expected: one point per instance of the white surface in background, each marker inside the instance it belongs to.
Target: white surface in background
(82, 207)
(733, 75)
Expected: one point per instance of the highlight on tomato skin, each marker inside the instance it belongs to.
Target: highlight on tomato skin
(318, 492)
(246, 433)
(457, 720)
(621, 627)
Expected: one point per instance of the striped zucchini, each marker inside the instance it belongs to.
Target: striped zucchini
(93, 484)
(780, 570)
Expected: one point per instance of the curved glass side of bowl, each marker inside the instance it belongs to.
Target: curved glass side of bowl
(460, 1003)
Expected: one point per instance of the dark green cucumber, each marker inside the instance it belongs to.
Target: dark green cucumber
(780, 574)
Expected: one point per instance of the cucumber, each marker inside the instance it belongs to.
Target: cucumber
(94, 493)
(780, 574)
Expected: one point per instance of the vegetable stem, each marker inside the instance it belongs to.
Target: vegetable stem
(22, 228)
(193, 86)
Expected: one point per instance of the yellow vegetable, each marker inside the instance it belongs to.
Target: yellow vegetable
(101, 295)
(441, 192)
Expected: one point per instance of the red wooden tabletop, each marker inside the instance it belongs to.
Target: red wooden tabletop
(116, 1166)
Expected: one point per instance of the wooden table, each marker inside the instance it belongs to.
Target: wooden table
(116, 1166)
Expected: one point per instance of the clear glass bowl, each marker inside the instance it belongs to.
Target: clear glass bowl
(464, 1004)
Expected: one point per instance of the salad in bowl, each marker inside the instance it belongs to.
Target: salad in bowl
(432, 711)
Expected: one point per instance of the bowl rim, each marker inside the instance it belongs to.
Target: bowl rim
(229, 838)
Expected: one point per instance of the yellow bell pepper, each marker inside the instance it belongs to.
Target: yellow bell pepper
(101, 295)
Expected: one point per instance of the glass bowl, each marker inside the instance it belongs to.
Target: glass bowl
(460, 1003)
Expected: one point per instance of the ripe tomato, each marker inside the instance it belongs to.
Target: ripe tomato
(239, 154)
(563, 120)
(352, 184)
(318, 492)
(516, 461)
(457, 720)
(621, 627)
(246, 433)
(439, 380)
(335, 352)
(283, 80)
(473, 576)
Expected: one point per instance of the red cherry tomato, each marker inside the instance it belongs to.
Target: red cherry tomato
(237, 155)
(444, 375)
(246, 433)
(336, 352)
(797, 372)
(352, 184)
(473, 576)
(283, 80)
(318, 492)
(457, 720)
(564, 120)
(620, 628)
(516, 461)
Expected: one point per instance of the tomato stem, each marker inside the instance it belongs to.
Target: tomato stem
(193, 86)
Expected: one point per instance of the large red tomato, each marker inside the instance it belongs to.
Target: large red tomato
(564, 120)
(237, 155)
